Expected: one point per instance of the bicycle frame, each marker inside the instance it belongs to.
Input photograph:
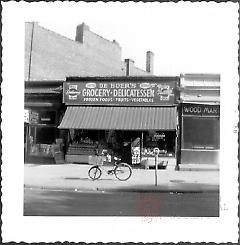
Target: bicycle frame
(110, 169)
(96, 170)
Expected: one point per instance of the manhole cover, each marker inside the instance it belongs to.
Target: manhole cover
(177, 181)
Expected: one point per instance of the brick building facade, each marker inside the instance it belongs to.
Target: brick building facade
(51, 56)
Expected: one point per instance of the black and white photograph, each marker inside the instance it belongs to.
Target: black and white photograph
(120, 116)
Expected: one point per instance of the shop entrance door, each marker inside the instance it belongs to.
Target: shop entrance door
(131, 146)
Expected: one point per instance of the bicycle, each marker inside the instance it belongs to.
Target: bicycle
(121, 170)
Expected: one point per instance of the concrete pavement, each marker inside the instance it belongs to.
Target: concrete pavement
(75, 177)
(199, 167)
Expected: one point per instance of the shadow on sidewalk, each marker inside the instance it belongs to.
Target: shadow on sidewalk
(85, 178)
(75, 178)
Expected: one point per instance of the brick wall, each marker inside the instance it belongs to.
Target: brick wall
(131, 70)
(92, 41)
(54, 57)
(139, 72)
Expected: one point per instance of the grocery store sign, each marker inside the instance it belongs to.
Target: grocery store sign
(201, 110)
(119, 93)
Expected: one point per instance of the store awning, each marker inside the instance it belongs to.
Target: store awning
(119, 118)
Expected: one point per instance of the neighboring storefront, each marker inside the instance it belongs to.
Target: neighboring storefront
(43, 109)
(199, 118)
(200, 133)
(127, 116)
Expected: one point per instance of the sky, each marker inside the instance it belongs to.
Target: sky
(184, 37)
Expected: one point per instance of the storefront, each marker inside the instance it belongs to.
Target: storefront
(43, 109)
(126, 116)
(199, 119)
(200, 133)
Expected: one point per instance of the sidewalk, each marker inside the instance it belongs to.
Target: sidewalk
(199, 167)
(75, 177)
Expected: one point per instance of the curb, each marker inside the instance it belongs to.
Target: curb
(134, 190)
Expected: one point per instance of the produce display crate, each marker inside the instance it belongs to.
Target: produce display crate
(96, 160)
(59, 158)
(76, 158)
(81, 149)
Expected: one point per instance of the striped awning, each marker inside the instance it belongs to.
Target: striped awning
(119, 118)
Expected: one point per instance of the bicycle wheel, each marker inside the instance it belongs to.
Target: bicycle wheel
(123, 171)
(94, 172)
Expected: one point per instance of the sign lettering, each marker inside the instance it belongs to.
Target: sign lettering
(119, 93)
(201, 110)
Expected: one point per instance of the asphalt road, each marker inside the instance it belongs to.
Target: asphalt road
(40, 202)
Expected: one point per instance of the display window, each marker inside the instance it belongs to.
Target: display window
(86, 142)
(201, 133)
(163, 140)
(41, 140)
(90, 137)
(131, 146)
(45, 135)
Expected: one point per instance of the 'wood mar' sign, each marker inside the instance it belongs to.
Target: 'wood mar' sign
(119, 93)
(201, 110)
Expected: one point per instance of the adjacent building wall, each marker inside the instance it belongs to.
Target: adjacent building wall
(202, 88)
(50, 56)
(131, 70)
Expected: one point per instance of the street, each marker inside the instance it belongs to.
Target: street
(45, 202)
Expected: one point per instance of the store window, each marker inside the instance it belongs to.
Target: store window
(201, 133)
(86, 142)
(41, 140)
(164, 140)
(45, 135)
(79, 136)
(47, 117)
(131, 146)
